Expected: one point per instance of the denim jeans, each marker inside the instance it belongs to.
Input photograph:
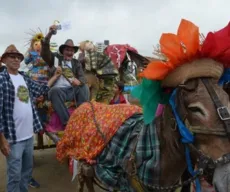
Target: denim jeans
(59, 95)
(20, 165)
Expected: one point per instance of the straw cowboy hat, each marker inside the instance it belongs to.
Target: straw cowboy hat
(68, 43)
(11, 49)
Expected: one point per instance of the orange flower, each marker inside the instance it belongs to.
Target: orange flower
(178, 48)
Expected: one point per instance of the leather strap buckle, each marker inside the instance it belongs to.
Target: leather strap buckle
(223, 113)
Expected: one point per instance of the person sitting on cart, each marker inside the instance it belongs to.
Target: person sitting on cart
(119, 98)
(71, 85)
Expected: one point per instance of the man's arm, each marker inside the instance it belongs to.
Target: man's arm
(4, 145)
(51, 71)
(55, 77)
(80, 73)
(1, 106)
(46, 54)
(39, 89)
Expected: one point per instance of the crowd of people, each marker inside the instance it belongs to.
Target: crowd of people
(57, 77)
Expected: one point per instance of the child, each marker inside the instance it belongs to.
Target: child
(118, 96)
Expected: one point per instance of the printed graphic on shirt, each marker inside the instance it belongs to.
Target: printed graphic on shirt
(23, 94)
(67, 72)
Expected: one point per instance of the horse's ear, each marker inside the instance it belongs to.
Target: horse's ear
(189, 85)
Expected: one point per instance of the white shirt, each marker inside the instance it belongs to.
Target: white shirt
(62, 82)
(23, 113)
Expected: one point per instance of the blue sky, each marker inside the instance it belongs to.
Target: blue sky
(138, 23)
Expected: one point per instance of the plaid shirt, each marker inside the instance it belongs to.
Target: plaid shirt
(7, 98)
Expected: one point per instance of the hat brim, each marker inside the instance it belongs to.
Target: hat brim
(61, 48)
(5, 54)
(195, 69)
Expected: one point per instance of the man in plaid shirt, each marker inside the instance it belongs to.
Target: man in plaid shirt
(18, 119)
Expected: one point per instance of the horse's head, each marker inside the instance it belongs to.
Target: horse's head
(201, 115)
(205, 120)
(203, 106)
(200, 99)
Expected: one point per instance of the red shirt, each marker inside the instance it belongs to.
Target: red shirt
(121, 100)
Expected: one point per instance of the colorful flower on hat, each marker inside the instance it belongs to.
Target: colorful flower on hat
(184, 47)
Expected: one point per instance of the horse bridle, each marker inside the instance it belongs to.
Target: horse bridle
(220, 108)
(206, 164)
(224, 116)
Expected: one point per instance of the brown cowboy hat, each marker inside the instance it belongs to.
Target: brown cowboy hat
(68, 43)
(11, 49)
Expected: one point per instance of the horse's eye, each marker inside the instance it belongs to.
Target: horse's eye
(196, 110)
(190, 85)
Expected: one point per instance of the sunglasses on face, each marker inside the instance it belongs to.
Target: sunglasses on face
(15, 57)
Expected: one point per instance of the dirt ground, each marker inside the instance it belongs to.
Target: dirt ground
(53, 176)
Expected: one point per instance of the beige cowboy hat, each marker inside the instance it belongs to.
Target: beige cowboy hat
(11, 49)
(68, 43)
(194, 69)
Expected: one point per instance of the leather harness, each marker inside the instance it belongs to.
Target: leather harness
(221, 109)
(205, 162)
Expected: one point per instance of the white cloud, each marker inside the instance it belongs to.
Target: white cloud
(138, 23)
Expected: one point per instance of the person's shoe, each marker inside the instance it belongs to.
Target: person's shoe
(34, 183)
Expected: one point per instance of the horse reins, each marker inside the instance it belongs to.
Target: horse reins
(221, 109)
(205, 162)
(224, 115)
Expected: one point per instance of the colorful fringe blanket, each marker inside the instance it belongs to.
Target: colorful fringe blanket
(82, 139)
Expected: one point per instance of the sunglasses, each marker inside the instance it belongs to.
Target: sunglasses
(15, 57)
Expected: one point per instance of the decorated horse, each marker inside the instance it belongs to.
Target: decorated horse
(126, 149)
